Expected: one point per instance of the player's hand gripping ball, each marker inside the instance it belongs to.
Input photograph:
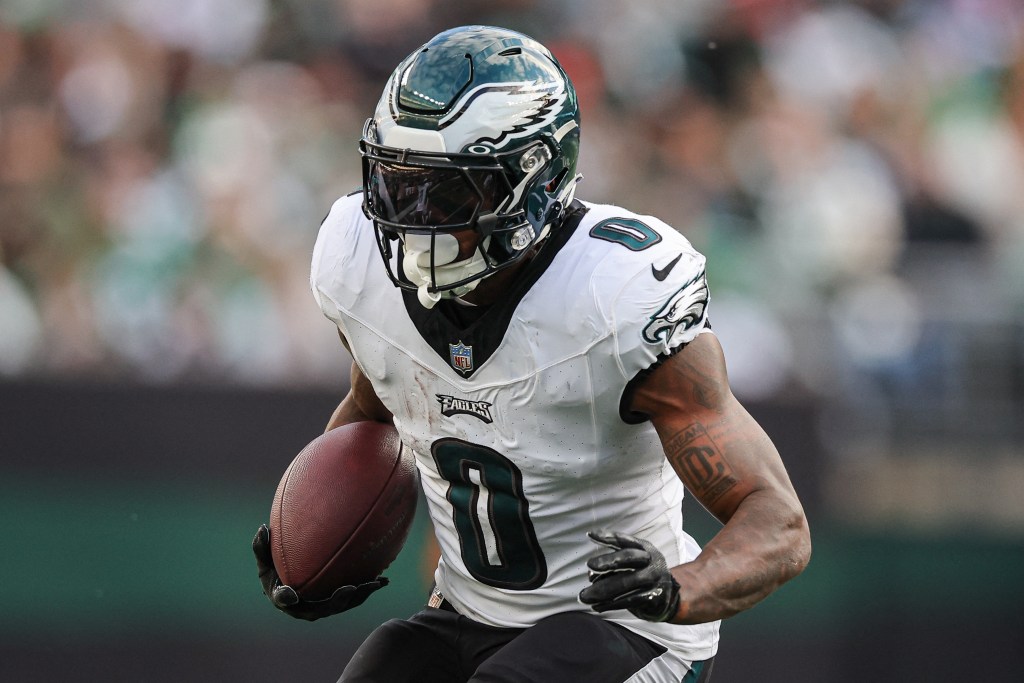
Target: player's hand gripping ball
(634, 576)
(286, 599)
(340, 516)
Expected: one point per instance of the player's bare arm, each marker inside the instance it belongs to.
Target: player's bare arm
(360, 403)
(731, 466)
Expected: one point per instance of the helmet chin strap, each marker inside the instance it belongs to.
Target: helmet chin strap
(445, 249)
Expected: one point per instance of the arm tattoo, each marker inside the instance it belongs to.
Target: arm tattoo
(700, 463)
(703, 388)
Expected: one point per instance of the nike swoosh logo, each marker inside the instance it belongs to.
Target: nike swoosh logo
(661, 273)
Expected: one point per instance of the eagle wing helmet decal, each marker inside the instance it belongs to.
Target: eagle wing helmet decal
(493, 115)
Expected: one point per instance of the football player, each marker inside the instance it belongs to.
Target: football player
(551, 364)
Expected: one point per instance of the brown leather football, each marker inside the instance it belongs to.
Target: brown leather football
(343, 509)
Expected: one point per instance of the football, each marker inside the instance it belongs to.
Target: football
(343, 509)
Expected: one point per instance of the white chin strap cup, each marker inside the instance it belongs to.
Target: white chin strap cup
(445, 249)
(416, 266)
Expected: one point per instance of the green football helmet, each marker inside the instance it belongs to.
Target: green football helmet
(478, 130)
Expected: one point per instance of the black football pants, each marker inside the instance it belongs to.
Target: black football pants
(441, 646)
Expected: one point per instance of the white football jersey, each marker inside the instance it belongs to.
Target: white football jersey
(516, 420)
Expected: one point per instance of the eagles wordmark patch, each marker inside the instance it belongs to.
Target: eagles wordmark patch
(451, 405)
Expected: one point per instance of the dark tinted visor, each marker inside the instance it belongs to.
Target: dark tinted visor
(424, 196)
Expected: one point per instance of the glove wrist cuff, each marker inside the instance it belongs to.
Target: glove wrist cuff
(673, 605)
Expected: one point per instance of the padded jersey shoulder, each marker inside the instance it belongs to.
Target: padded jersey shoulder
(646, 280)
(345, 256)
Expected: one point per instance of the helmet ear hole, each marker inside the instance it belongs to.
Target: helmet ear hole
(557, 180)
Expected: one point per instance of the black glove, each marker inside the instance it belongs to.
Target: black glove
(633, 576)
(288, 601)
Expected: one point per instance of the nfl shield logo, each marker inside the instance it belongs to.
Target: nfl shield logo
(461, 356)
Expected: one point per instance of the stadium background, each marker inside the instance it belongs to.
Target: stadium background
(853, 170)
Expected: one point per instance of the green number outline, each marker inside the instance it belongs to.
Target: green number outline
(628, 232)
(521, 563)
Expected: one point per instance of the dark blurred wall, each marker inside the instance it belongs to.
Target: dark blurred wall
(129, 512)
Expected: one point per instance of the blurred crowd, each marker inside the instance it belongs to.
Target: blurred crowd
(853, 170)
